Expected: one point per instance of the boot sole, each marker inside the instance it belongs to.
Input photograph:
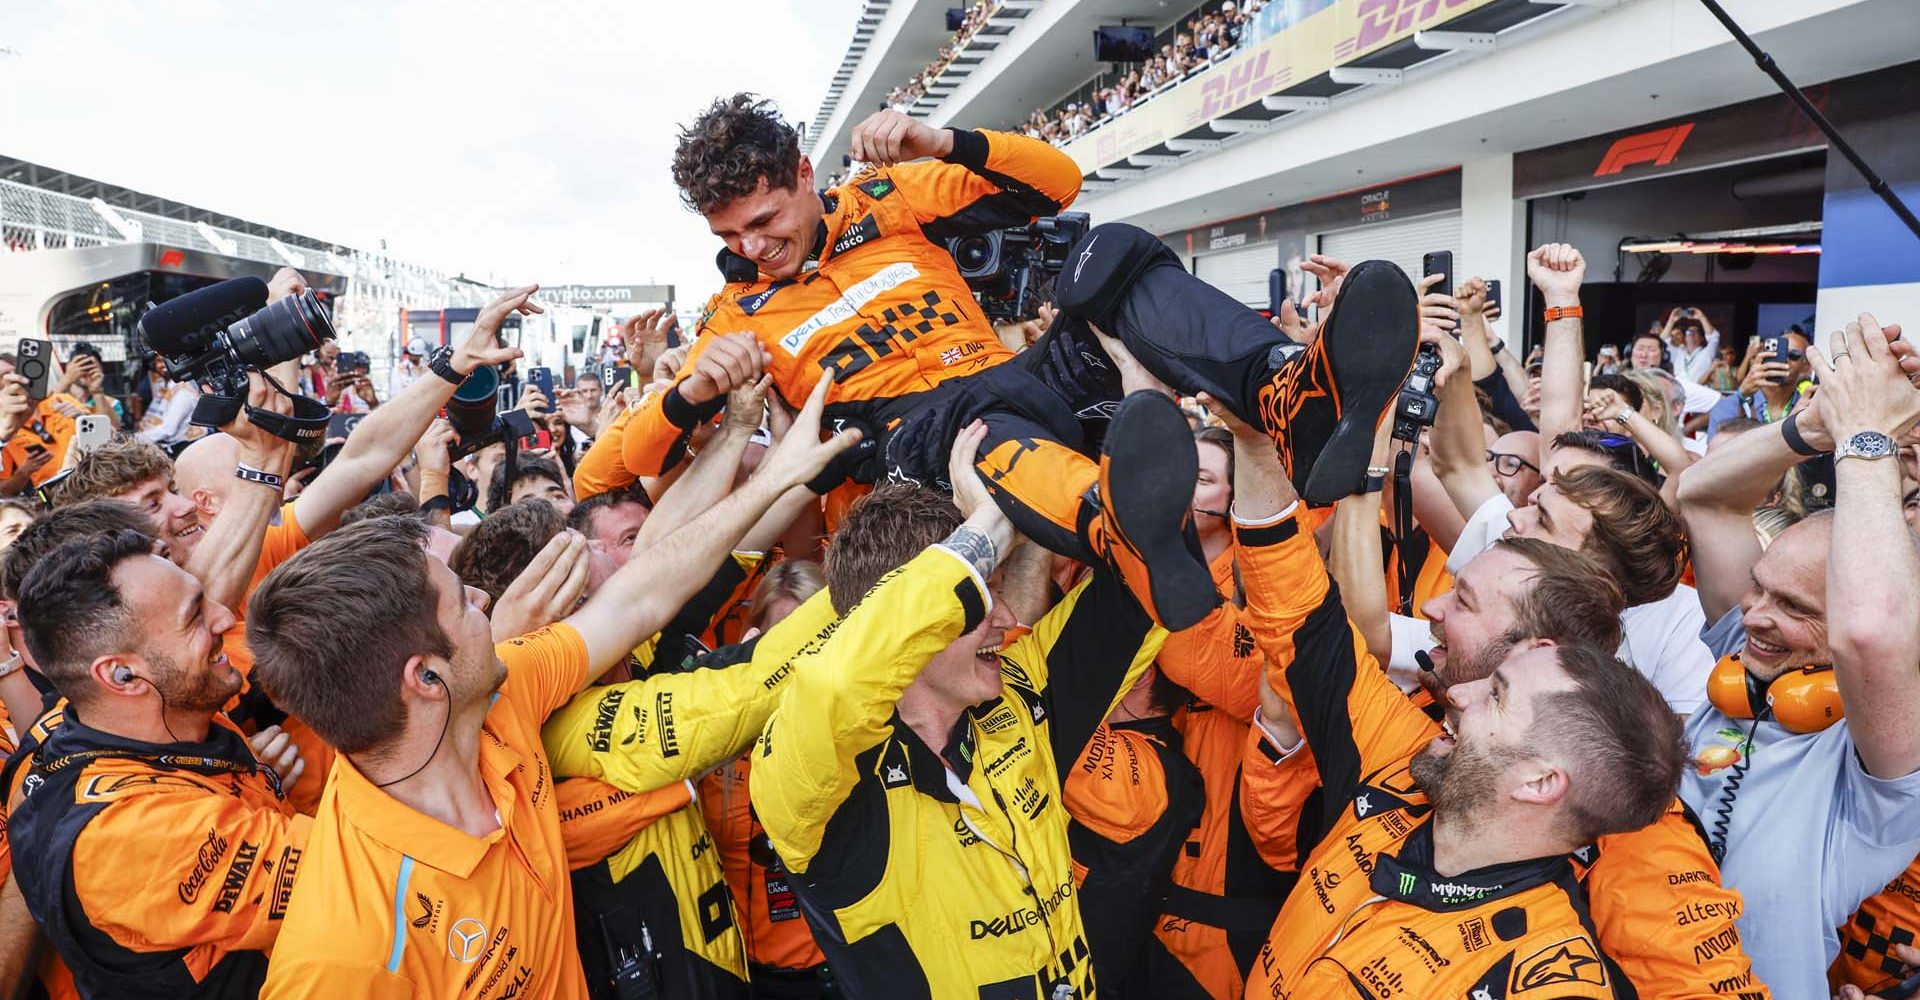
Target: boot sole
(1371, 336)
(1146, 486)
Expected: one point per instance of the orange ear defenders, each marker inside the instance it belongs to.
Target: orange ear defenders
(1805, 700)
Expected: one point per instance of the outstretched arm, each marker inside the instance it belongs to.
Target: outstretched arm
(1557, 269)
(383, 439)
(650, 589)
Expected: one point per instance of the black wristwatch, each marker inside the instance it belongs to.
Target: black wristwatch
(440, 363)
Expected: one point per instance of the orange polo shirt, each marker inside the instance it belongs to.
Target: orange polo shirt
(395, 904)
(48, 428)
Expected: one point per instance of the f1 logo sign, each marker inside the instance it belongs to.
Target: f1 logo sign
(1657, 147)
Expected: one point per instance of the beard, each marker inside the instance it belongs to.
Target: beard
(208, 690)
(1466, 665)
(1462, 782)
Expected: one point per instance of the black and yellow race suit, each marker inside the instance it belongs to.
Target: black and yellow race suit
(155, 870)
(657, 732)
(944, 873)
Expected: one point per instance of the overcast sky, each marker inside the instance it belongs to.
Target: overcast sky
(513, 141)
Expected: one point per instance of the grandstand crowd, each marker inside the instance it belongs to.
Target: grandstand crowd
(858, 648)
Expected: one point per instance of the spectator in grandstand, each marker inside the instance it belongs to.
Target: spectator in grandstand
(1807, 761)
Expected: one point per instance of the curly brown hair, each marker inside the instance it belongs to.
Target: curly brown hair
(727, 151)
(503, 544)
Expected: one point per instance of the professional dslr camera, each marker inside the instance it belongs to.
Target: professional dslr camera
(1012, 270)
(217, 334)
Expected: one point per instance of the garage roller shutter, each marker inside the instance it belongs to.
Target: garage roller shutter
(1404, 243)
(1241, 273)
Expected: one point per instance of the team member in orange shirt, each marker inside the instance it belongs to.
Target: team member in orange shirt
(151, 845)
(437, 866)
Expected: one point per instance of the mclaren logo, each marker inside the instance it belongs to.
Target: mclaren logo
(466, 939)
(1085, 255)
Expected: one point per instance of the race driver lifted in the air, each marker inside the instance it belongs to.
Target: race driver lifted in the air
(858, 281)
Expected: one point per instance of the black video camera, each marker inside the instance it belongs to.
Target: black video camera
(1012, 270)
(1415, 409)
(478, 420)
(216, 335)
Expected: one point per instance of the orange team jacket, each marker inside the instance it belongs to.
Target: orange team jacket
(882, 305)
(283, 540)
(395, 904)
(1222, 878)
(155, 871)
(1655, 897)
(1889, 918)
(49, 429)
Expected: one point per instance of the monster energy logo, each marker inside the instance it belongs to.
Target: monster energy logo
(1408, 883)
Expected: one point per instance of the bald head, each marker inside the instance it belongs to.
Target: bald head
(203, 473)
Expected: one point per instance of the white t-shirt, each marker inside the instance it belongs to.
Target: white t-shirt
(1809, 834)
(1662, 638)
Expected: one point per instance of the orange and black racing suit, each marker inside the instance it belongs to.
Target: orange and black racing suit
(1225, 896)
(1655, 897)
(884, 308)
(1132, 797)
(154, 870)
(1866, 942)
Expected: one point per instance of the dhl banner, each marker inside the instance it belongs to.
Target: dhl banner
(1339, 33)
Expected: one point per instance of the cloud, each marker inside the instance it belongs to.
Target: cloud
(510, 141)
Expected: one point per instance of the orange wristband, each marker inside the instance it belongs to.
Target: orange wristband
(1564, 312)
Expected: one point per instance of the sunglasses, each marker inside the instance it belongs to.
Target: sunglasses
(1508, 465)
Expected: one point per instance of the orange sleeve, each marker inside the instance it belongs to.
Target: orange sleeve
(545, 669)
(284, 538)
(1353, 717)
(163, 870)
(991, 180)
(1217, 661)
(655, 437)
(1274, 787)
(603, 468)
(1656, 900)
(597, 819)
(1118, 788)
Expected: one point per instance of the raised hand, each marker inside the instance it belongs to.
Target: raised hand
(546, 591)
(730, 361)
(483, 343)
(274, 748)
(1557, 269)
(888, 137)
(801, 455)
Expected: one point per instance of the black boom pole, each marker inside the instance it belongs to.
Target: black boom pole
(1772, 69)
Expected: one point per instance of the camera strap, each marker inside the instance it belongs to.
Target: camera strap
(307, 422)
(1403, 524)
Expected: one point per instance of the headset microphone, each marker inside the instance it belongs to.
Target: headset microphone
(1426, 662)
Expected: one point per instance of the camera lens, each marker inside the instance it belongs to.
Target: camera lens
(470, 411)
(976, 255)
(284, 330)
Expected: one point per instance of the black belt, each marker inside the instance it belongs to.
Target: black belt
(1233, 913)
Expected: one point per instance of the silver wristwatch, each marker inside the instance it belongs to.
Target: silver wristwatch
(1866, 444)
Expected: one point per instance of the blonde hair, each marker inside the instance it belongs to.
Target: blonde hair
(1654, 389)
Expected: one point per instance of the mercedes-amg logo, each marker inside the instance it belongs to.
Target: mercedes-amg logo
(465, 939)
